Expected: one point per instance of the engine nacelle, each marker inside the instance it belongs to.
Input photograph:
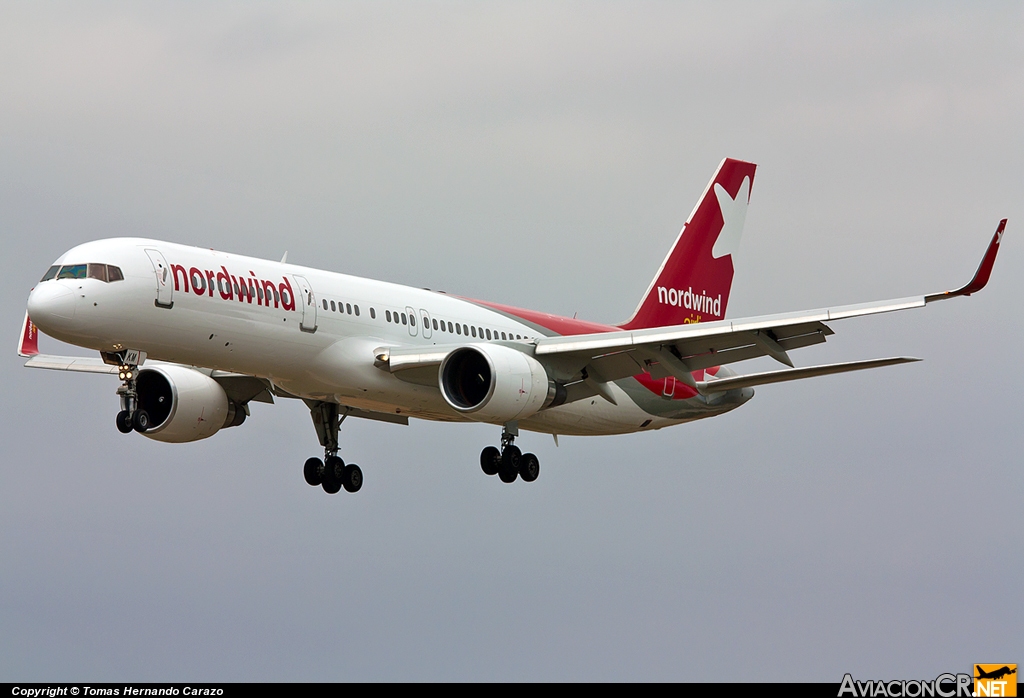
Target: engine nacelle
(494, 383)
(184, 404)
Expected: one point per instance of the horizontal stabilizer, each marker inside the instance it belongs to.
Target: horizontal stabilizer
(792, 374)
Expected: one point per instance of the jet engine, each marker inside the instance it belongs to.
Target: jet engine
(184, 404)
(497, 384)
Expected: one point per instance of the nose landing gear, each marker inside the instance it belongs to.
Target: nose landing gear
(510, 462)
(331, 473)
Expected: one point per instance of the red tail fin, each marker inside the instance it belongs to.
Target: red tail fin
(694, 280)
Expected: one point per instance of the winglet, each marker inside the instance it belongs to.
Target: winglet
(981, 276)
(28, 345)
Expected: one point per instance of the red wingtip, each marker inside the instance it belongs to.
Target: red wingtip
(987, 262)
(29, 344)
(980, 276)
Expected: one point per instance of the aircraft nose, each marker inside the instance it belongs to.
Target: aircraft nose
(51, 304)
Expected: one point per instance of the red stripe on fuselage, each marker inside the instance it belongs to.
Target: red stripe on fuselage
(564, 326)
(567, 326)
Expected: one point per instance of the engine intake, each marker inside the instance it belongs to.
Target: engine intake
(494, 383)
(184, 404)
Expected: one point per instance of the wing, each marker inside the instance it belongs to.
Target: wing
(584, 363)
(682, 349)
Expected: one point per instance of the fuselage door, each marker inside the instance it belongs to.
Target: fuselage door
(425, 317)
(164, 280)
(308, 300)
(412, 320)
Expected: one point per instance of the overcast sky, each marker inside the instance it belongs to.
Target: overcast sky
(543, 155)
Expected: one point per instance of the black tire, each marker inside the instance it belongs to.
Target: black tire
(313, 471)
(353, 478)
(529, 467)
(140, 421)
(124, 422)
(490, 457)
(508, 471)
(334, 470)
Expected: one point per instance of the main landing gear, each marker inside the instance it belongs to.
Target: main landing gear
(509, 463)
(331, 473)
(131, 417)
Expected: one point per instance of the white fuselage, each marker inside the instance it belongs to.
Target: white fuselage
(313, 334)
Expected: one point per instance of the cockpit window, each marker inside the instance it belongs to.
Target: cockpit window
(72, 271)
(98, 271)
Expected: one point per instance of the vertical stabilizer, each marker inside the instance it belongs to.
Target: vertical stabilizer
(693, 282)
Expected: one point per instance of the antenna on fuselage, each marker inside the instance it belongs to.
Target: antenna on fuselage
(284, 258)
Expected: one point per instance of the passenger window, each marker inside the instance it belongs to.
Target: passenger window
(50, 273)
(480, 330)
(357, 311)
(465, 330)
(404, 319)
(503, 335)
(348, 308)
(458, 329)
(277, 297)
(435, 323)
(72, 271)
(387, 314)
(325, 304)
(332, 305)
(450, 327)
(488, 334)
(473, 330)
(373, 314)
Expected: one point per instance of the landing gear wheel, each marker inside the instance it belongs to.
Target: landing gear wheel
(334, 470)
(508, 471)
(529, 468)
(140, 421)
(352, 479)
(124, 422)
(313, 471)
(490, 457)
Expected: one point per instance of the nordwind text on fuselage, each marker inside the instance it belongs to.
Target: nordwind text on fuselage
(202, 282)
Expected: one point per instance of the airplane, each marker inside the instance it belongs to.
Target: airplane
(995, 674)
(195, 335)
